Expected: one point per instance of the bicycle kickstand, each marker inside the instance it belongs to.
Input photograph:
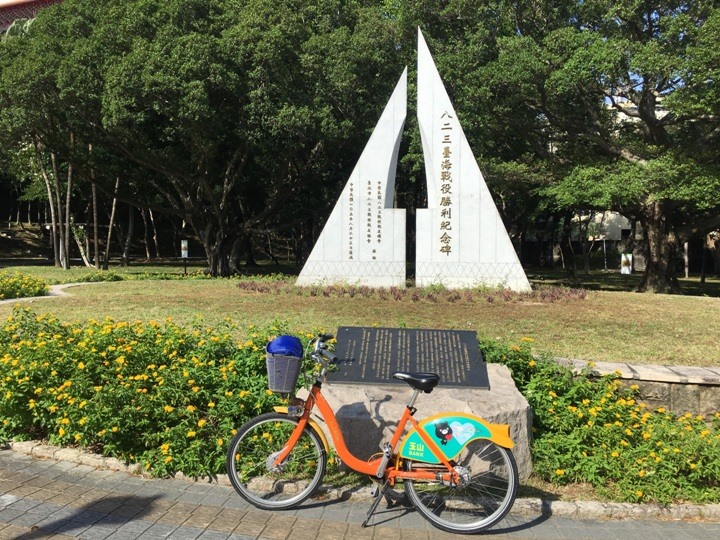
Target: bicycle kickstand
(379, 492)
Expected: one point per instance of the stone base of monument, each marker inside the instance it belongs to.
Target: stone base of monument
(368, 414)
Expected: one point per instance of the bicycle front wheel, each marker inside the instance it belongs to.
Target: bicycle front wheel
(251, 462)
(486, 493)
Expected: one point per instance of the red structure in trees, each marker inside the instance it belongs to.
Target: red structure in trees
(11, 10)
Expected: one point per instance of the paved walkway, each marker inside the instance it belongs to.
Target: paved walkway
(45, 498)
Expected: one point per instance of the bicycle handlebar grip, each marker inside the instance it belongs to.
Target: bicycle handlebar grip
(325, 337)
(330, 357)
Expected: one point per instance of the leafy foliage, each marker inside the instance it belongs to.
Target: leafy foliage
(153, 393)
(590, 429)
(17, 285)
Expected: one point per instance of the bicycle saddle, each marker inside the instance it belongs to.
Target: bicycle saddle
(419, 381)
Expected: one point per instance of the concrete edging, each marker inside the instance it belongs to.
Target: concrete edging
(680, 389)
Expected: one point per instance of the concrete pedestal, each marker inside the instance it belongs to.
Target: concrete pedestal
(368, 414)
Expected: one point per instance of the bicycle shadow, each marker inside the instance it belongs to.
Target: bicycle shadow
(110, 513)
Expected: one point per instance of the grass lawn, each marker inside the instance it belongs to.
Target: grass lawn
(607, 325)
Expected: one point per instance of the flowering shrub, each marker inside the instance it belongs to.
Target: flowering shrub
(17, 285)
(146, 392)
(590, 429)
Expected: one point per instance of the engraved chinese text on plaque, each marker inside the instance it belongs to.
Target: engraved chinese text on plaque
(372, 355)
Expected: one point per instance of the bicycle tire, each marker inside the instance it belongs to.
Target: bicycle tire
(250, 454)
(483, 499)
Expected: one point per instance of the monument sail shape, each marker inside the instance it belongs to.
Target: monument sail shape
(363, 241)
(461, 239)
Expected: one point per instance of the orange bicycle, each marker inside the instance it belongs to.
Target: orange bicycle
(456, 469)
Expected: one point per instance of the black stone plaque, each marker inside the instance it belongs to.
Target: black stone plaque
(372, 355)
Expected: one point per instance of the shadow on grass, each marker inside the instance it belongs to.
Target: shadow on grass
(599, 280)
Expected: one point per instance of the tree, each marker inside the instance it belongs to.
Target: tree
(220, 112)
(626, 97)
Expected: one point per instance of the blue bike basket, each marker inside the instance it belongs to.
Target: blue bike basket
(283, 361)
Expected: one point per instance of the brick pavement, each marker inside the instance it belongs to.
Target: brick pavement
(43, 499)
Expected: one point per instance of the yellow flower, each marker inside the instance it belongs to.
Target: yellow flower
(559, 472)
(638, 494)
(211, 405)
(268, 392)
(61, 432)
(168, 459)
(114, 429)
(81, 365)
(65, 421)
(78, 436)
(190, 434)
(641, 474)
(169, 408)
(220, 442)
(615, 454)
(191, 408)
(202, 422)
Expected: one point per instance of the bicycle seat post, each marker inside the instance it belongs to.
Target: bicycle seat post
(411, 403)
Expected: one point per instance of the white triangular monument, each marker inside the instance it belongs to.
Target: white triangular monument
(461, 240)
(363, 241)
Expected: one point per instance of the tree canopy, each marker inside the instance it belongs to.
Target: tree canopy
(246, 115)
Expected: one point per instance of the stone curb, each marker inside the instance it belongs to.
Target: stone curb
(648, 372)
(532, 506)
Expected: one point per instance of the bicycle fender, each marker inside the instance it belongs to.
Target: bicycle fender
(452, 432)
(313, 424)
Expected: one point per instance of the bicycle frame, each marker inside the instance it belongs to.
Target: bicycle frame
(368, 467)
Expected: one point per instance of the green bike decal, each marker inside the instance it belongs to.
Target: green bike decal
(451, 432)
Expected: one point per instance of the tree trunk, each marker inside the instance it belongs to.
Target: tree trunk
(128, 238)
(96, 235)
(64, 261)
(661, 251)
(51, 203)
(93, 191)
(566, 248)
(110, 226)
(155, 234)
(146, 234)
(68, 195)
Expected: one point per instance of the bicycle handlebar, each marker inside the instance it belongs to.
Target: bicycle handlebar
(320, 353)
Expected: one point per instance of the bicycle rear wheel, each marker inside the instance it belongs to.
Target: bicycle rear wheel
(251, 456)
(486, 494)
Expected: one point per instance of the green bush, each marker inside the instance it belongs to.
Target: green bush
(146, 392)
(590, 429)
(17, 285)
